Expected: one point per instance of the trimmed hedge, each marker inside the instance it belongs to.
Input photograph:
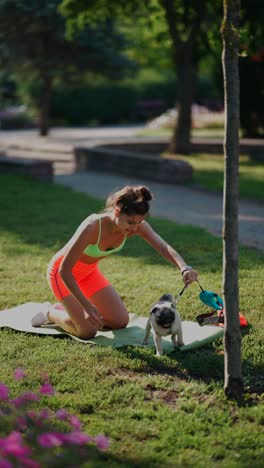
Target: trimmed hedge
(116, 103)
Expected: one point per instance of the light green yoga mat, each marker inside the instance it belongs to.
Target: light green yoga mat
(194, 336)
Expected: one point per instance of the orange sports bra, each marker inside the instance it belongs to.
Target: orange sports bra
(93, 249)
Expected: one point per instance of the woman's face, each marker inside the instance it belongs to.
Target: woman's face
(128, 223)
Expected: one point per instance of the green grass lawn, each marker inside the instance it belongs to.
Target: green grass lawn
(196, 132)
(157, 412)
(209, 168)
(209, 174)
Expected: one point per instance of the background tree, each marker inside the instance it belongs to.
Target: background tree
(230, 33)
(184, 22)
(188, 23)
(33, 43)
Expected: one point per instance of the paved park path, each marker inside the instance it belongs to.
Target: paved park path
(177, 203)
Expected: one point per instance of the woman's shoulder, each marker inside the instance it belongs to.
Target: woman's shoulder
(91, 220)
(92, 224)
(87, 226)
(87, 230)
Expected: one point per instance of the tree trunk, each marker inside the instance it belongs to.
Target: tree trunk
(44, 106)
(187, 73)
(233, 372)
(188, 15)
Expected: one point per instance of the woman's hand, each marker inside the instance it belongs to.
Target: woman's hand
(94, 316)
(189, 276)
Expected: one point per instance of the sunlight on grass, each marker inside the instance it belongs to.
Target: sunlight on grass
(209, 174)
(195, 132)
(156, 412)
(209, 168)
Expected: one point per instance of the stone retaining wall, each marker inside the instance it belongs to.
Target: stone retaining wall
(40, 170)
(164, 170)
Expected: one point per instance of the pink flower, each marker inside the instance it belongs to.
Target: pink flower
(38, 418)
(4, 390)
(32, 414)
(21, 423)
(102, 442)
(12, 445)
(24, 398)
(17, 402)
(51, 439)
(45, 414)
(77, 438)
(29, 396)
(74, 422)
(5, 464)
(62, 414)
(27, 462)
(47, 389)
(19, 373)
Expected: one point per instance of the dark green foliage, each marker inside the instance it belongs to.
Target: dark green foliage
(109, 103)
(252, 95)
(8, 92)
(33, 43)
(38, 43)
(252, 68)
(117, 102)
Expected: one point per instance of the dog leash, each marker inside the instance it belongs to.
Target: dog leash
(182, 291)
(214, 301)
(210, 299)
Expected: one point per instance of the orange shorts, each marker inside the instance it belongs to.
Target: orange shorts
(87, 276)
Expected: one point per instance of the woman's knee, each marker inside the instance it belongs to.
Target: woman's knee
(86, 333)
(120, 322)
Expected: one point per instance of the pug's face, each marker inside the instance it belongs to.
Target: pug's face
(164, 314)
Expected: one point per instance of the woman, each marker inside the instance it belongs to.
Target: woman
(88, 302)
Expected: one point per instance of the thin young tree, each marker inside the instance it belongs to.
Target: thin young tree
(230, 33)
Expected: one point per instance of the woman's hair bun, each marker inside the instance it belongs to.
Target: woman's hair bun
(145, 193)
(133, 200)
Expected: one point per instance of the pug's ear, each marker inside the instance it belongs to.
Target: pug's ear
(154, 310)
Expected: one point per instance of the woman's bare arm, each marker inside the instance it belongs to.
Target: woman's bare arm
(169, 253)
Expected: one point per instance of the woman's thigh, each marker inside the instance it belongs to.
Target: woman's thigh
(110, 305)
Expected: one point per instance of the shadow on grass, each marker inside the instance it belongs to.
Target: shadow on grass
(201, 364)
(204, 364)
(41, 213)
(98, 459)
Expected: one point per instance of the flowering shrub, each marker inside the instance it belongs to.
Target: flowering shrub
(36, 438)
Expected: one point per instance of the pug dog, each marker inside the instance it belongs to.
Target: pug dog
(164, 320)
